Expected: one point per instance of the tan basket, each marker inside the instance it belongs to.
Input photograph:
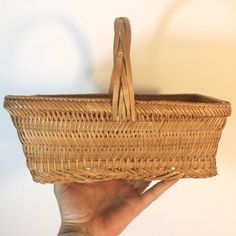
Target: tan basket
(118, 135)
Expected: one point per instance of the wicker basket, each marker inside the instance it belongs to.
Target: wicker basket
(118, 135)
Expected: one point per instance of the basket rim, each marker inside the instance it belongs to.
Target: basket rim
(188, 98)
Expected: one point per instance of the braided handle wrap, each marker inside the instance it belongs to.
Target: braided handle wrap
(121, 85)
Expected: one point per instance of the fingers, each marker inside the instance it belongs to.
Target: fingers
(156, 191)
(134, 206)
(139, 186)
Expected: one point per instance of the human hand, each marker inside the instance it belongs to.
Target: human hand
(104, 208)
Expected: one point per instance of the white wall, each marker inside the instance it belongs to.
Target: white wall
(57, 46)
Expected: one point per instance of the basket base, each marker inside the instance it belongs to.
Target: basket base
(86, 176)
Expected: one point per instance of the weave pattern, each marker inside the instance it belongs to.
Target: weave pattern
(64, 140)
(119, 135)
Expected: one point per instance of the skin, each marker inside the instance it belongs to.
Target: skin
(104, 208)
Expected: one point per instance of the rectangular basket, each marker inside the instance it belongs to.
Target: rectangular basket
(118, 135)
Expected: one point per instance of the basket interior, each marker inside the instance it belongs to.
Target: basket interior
(196, 98)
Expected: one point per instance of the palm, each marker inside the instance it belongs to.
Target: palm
(102, 208)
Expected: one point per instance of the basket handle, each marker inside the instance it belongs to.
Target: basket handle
(121, 84)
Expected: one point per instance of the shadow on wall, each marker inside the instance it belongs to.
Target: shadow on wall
(199, 63)
(143, 57)
(158, 63)
(17, 36)
(175, 63)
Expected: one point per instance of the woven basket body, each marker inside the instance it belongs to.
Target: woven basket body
(118, 135)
